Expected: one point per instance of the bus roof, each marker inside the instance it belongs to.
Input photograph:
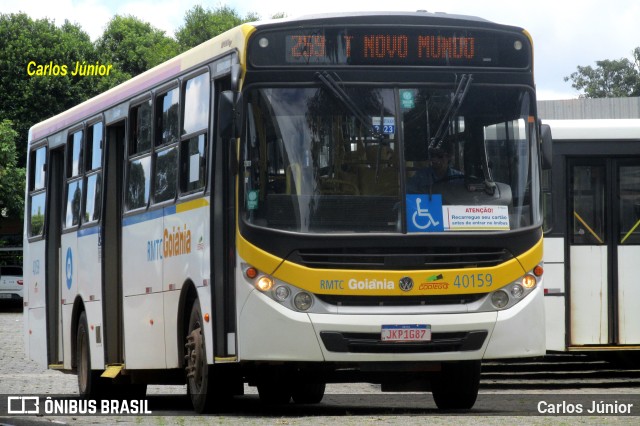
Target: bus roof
(599, 129)
(421, 14)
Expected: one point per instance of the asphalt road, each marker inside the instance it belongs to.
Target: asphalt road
(558, 390)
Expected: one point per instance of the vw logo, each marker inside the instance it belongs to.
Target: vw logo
(406, 283)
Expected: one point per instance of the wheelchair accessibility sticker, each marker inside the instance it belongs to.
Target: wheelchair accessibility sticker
(424, 213)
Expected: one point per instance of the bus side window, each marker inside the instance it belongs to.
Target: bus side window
(37, 194)
(138, 184)
(193, 144)
(166, 152)
(93, 183)
(140, 128)
(74, 180)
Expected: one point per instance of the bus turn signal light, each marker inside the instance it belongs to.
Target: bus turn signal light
(251, 272)
(538, 271)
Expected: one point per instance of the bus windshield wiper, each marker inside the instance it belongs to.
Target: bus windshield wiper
(332, 85)
(452, 110)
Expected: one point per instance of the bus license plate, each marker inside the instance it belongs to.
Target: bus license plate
(406, 333)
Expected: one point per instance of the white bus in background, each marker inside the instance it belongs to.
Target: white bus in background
(592, 236)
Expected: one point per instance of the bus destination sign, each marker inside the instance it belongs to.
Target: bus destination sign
(384, 46)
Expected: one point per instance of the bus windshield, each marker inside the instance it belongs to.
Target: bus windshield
(418, 158)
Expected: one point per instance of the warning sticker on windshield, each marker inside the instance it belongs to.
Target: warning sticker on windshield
(476, 218)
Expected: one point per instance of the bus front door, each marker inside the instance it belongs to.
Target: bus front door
(604, 251)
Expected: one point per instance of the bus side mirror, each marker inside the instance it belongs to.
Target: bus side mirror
(547, 146)
(227, 117)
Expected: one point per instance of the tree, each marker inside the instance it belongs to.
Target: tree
(12, 177)
(610, 78)
(29, 97)
(202, 24)
(133, 46)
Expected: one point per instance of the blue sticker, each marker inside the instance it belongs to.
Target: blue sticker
(69, 271)
(424, 213)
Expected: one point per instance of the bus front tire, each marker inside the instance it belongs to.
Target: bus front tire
(456, 386)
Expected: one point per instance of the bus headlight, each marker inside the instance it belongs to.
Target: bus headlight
(514, 292)
(517, 291)
(264, 283)
(529, 281)
(281, 293)
(500, 299)
(302, 301)
(287, 295)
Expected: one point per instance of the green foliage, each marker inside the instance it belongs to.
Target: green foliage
(610, 78)
(134, 46)
(27, 99)
(12, 177)
(201, 24)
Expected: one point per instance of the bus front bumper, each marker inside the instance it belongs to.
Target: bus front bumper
(270, 332)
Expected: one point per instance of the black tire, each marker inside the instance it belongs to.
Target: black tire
(456, 386)
(308, 393)
(90, 384)
(199, 373)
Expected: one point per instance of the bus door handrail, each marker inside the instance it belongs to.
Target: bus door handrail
(581, 220)
(630, 232)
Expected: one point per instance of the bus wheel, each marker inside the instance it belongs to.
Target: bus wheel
(456, 386)
(308, 393)
(90, 384)
(198, 371)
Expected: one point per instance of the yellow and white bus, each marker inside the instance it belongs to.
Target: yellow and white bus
(265, 209)
(592, 237)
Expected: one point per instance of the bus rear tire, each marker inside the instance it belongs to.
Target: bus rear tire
(199, 373)
(90, 384)
(456, 386)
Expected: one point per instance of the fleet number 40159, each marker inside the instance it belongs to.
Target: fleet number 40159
(473, 281)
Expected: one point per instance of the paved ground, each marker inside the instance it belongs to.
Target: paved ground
(349, 405)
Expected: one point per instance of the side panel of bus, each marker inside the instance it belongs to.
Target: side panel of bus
(555, 297)
(34, 300)
(593, 246)
(142, 283)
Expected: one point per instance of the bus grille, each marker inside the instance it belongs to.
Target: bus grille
(439, 300)
(370, 342)
(400, 258)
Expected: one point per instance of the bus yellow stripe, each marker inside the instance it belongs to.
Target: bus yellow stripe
(192, 205)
